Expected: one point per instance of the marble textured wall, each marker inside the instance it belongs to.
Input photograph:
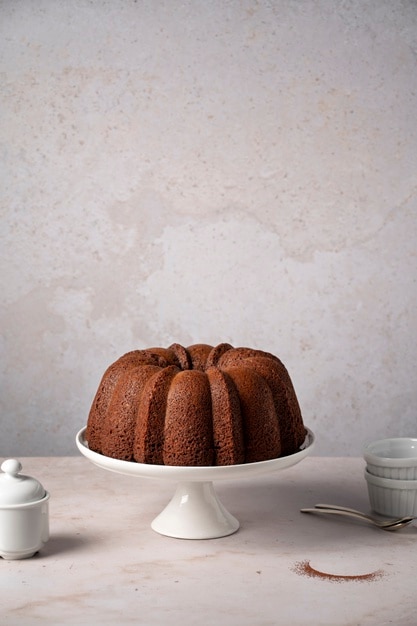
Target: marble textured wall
(241, 171)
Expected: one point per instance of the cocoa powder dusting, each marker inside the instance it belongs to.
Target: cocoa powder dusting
(303, 568)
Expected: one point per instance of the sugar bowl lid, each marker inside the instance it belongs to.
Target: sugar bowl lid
(16, 488)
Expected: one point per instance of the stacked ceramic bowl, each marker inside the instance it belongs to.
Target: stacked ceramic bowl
(391, 474)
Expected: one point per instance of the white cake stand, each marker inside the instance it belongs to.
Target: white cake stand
(195, 512)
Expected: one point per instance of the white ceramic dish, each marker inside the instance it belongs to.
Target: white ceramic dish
(392, 458)
(391, 497)
(195, 511)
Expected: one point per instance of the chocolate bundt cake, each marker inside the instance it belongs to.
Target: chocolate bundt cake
(200, 405)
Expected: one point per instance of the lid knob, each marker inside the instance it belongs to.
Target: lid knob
(11, 467)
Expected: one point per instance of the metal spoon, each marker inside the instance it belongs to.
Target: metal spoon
(392, 524)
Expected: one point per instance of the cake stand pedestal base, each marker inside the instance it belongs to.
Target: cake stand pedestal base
(195, 512)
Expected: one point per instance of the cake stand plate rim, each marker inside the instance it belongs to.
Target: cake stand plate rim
(197, 473)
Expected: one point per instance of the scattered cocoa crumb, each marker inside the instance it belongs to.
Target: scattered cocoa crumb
(305, 569)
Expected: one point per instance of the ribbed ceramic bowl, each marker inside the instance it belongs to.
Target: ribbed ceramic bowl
(392, 497)
(392, 458)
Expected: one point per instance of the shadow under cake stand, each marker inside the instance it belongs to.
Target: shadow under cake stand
(195, 511)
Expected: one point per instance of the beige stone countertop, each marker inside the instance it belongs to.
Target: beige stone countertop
(105, 565)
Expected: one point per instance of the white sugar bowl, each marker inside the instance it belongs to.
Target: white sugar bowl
(24, 513)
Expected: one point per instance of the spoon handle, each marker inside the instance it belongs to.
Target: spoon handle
(336, 507)
(340, 511)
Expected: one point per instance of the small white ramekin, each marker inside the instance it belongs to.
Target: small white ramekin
(392, 497)
(392, 458)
